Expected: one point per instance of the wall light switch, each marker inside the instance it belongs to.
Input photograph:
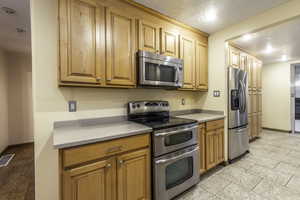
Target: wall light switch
(72, 106)
(217, 93)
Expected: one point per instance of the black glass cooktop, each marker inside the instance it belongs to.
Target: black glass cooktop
(163, 122)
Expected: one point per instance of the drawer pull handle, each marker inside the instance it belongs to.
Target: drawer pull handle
(108, 165)
(121, 162)
(114, 149)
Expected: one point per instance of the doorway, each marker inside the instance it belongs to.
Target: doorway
(295, 98)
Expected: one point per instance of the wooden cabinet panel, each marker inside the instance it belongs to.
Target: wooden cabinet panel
(234, 57)
(187, 53)
(210, 151)
(77, 155)
(254, 74)
(81, 28)
(133, 173)
(93, 181)
(259, 124)
(213, 125)
(259, 75)
(250, 126)
(243, 61)
(254, 125)
(250, 71)
(219, 145)
(259, 101)
(254, 103)
(169, 43)
(201, 66)
(121, 48)
(249, 102)
(148, 36)
(201, 135)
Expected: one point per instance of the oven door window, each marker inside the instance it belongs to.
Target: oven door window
(178, 138)
(167, 73)
(178, 172)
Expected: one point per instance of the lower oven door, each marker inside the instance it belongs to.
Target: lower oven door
(172, 139)
(176, 172)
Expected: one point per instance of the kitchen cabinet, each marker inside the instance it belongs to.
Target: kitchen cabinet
(169, 43)
(259, 124)
(254, 130)
(187, 53)
(250, 126)
(254, 102)
(259, 75)
(250, 72)
(149, 37)
(243, 61)
(254, 74)
(92, 181)
(121, 49)
(104, 170)
(201, 59)
(133, 173)
(81, 59)
(234, 57)
(201, 135)
(214, 143)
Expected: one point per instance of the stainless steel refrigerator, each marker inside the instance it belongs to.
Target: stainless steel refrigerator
(238, 138)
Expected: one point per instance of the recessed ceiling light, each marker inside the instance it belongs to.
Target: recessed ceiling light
(247, 37)
(8, 11)
(269, 49)
(209, 15)
(284, 58)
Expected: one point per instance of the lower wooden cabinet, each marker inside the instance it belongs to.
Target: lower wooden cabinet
(121, 176)
(211, 140)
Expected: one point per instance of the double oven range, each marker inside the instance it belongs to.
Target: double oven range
(175, 149)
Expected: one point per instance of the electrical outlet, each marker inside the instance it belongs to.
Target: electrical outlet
(72, 106)
(183, 102)
(216, 93)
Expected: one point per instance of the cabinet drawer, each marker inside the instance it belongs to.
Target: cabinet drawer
(214, 125)
(90, 152)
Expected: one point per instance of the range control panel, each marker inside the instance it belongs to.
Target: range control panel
(139, 107)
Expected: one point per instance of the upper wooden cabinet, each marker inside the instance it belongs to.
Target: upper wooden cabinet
(243, 61)
(149, 39)
(201, 66)
(121, 49)
(250, 71)
(80, 41)
(234, 57)
(169, 43)
(187, 53)
(259, 75)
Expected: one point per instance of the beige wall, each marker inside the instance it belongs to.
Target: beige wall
(3, 103)
(50, 102)
(20, 98)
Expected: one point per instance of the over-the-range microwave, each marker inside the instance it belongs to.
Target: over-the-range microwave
(159, 71)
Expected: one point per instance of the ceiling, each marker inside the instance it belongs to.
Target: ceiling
(10, 39)
(228, 11)
(283, 38)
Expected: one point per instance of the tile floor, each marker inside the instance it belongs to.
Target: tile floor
(271, 171)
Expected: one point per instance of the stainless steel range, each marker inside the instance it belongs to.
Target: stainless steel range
(175, 149)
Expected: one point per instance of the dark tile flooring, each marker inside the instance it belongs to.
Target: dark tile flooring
(17, 179)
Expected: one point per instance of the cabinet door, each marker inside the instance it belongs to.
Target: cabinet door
(243, 61)
(120, 48)
(219, 146)
(201, 132)
(259, 124)
(234, 57)
(148, 36)
(254, 103)
(259, 101)
(169, 43)
(254, 125)
(259, 75)
(254, 74)
(187, 53)
(210, 150)
(133, 176)
(249, 108)
(250, 71)
(201, 66)
(81, 41)
(94, 181)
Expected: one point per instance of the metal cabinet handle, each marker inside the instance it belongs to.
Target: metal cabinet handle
(108, 165)
(121, 162)
(108, 79)
(98, 79)
(114, 149)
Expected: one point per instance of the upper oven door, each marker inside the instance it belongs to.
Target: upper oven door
(160, 73)
(172, 139)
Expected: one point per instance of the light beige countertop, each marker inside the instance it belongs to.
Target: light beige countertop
(203, 117)
(76, 134)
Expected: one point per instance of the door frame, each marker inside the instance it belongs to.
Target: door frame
(293, 95)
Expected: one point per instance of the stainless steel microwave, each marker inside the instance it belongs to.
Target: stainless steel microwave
(159, 71)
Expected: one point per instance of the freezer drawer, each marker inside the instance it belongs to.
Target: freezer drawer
(238, 142)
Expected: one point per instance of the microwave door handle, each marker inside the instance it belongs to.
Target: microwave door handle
(176, 157)
(177, 131)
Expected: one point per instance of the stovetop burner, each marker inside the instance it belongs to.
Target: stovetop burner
(154, 114)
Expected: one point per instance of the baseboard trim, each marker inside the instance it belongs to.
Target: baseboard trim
(20, 144)
(275, 129)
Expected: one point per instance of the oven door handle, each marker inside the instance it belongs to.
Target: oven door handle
(177, 131)
(176, 157)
